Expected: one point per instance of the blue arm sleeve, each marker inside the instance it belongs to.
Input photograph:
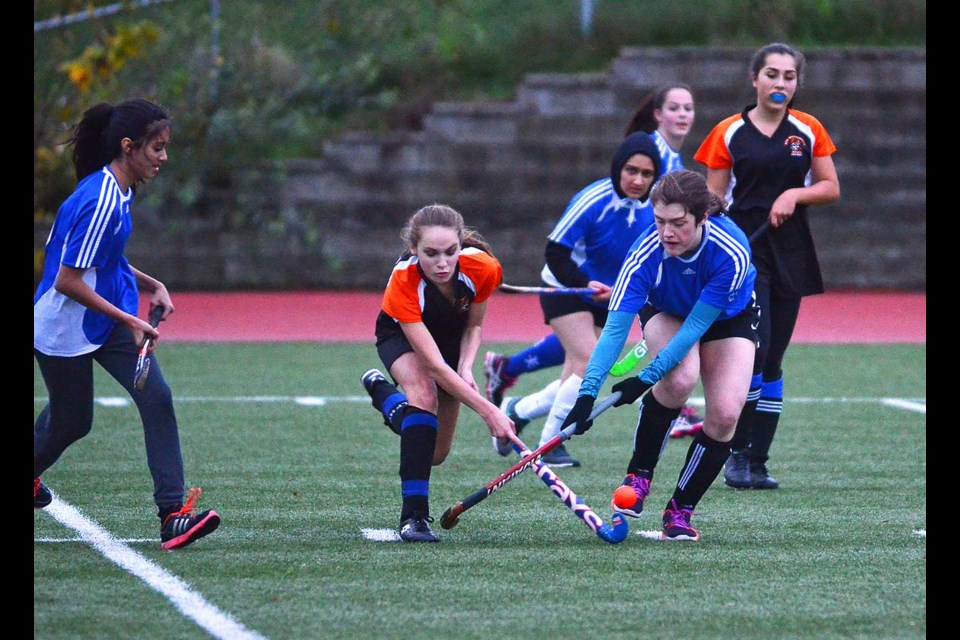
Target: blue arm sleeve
(612, 339)
(694, 326)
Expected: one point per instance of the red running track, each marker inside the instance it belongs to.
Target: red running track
(334, 316)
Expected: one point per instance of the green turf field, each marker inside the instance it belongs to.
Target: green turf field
(289, 451)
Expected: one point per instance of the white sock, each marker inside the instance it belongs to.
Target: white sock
(537, 404)
(562, 404)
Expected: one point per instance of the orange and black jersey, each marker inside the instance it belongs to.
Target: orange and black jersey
(411, 297)
(761, 167)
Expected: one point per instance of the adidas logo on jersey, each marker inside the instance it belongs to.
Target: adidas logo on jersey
(689, 272)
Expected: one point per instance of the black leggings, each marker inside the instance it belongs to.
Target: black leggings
(778, 318)
(68, 415)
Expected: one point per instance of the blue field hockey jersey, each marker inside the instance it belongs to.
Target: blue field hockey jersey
(600, 227)
(90, 232)
(670, 160)
(719, 272)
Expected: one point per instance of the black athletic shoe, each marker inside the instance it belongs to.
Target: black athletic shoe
(760, 478)
(183, 527)
(641, 489)
(506, 448)
(416, 529)
(370, 378)
(736, 472)
(559, 457)
(676, 524)
(41, 495)
(373, 381)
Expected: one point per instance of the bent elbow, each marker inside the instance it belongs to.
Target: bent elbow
(835, 193)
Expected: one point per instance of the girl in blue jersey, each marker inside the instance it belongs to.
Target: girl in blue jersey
(85, 309)
(691, 280)
(667, 114)
(586, 249)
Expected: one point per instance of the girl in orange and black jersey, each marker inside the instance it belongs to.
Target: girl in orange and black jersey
(428, 334)
(771, 162)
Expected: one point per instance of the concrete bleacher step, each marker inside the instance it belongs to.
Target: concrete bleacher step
(512, 166)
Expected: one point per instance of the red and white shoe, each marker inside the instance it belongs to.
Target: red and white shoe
(498, 382)
(688, 423)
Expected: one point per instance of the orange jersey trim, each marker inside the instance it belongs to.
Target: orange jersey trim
(403, 298)
(714, 153)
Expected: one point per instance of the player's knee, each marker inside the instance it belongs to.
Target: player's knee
(723, 414)
(422, 392)
(679, 384)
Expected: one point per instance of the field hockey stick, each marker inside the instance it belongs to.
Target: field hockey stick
(550, 291)
(450, 517)
(629, 361)
(759, 231)
(617, 532)
(143, 362)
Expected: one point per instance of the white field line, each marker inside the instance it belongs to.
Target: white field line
(901, 403)
(380, 535)
(909, 404)
(179, 593)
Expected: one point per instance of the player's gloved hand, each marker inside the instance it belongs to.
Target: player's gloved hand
(580, 414)
(630, 389)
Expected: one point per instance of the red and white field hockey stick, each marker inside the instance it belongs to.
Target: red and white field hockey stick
(143, 362)
(550, 291)
(617, 532)
(450, 517)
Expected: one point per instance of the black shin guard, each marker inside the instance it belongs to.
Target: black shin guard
(766, 421)
(391, 403)
(705, 459)
(741, 436)
(418, 439)
(651, 434)
(764, 428)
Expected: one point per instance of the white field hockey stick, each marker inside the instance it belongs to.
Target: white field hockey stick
(550, 291)
(450, 517)
(143, 361)
(612, 533)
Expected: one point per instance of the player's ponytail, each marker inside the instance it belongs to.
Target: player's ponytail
(96, 138)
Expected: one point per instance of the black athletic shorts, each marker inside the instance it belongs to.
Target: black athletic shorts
(742, 325)
(555, 306)
(394, 344)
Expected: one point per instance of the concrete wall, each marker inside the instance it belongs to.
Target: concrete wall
(511, 167)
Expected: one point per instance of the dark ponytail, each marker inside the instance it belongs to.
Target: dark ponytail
(96, 138)
(642, 119)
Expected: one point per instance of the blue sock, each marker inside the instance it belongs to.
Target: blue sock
(548, 352)
(771, 396)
